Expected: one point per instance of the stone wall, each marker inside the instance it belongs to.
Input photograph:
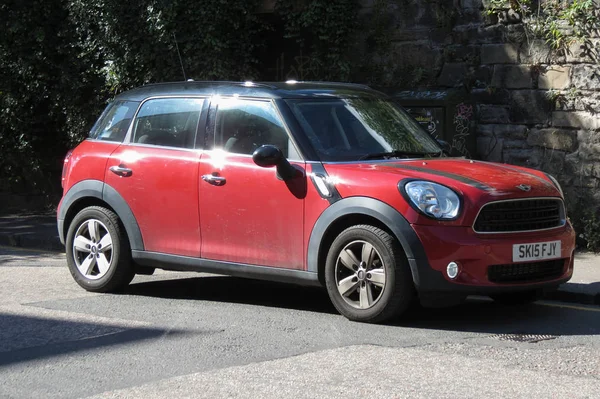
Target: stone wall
(533, 106)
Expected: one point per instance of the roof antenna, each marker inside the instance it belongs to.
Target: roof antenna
(180, 59)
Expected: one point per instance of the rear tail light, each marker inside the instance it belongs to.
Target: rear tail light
(65, 168)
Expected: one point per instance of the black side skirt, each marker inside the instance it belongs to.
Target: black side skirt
(189, 264)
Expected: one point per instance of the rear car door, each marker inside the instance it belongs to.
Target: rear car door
(156, 172)
(248, 214)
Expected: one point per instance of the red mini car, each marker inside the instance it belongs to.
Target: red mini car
(310, 183)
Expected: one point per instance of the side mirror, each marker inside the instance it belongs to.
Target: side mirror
(445, 146)
(267, 156)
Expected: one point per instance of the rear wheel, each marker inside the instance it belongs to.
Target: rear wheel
(98, 252)
(367, 275)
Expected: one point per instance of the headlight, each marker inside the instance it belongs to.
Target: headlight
(434, 200)
(556, 184)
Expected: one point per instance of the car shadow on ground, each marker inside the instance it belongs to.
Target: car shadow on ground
(238, 290)
(26, 338)
(477, 314)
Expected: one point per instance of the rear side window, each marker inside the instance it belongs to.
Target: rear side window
(114, 121)
(168, 122)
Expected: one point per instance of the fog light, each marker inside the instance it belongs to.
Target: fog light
(452, 270)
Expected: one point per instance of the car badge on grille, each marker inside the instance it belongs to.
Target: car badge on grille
(524, 187)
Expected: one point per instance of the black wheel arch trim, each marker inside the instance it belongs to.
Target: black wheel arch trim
(390, 217)
(100, 190)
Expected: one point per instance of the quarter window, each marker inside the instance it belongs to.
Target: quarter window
(244, 125)
(114, 121)
(169, 122)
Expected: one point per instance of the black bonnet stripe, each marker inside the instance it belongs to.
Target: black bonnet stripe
(462, 179)
(545, 182)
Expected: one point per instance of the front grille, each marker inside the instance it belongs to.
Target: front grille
(526, 272)
(520, 215)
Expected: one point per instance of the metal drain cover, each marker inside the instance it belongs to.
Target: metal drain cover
(529, 338)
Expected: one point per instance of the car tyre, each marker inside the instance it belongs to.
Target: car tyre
(98, 251)
(367, 275)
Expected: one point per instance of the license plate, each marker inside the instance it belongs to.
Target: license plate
(536, 251)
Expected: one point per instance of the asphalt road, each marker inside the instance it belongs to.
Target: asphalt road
(202, 336)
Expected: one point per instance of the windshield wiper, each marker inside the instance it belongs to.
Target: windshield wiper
(398, 154)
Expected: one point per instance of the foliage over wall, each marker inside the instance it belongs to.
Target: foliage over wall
(61, 60)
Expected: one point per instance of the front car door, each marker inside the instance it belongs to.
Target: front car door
(156, 172)
(248, 214)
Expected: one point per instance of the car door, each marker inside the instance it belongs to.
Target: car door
(248, 214)
(156, 172)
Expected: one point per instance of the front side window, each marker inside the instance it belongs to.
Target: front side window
(114, 121)
(244, 125)
(169, 122)
(351, 129)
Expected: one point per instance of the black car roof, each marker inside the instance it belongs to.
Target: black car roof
(270, 90)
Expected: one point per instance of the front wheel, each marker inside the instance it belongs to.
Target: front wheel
(367, 275)
(98, 252)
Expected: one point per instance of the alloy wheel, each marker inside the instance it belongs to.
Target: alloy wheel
(360, 274)
(92, 249)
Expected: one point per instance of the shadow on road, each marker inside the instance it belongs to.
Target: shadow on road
(26, 338)
(476, 315)
(238, 290)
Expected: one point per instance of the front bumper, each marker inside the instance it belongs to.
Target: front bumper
(474, 253)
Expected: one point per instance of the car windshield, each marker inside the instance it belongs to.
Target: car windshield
(352, 129)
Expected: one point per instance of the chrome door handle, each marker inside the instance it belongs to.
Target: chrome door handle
(214, 180)
(121, 171)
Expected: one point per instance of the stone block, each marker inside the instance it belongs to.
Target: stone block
(586, 77)
(468, 54)
(453, 74)
(531, 158)
(512, 77)
(499, 54)
(513, 144)
(588, 137)
(490, 96)
(490, 148)
(476, 4)
(530, 107)
(553, 161)
(485, 130)
(556, 139)
(589, 152)
(535, 52)
(493, 114)
(588, 101)
(419, 54)
(581, 120)
(555, 77)
(510, 132)
(579, 52)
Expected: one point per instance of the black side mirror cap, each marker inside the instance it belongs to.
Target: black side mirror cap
(267, 156)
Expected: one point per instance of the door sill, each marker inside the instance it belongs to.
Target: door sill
(190, 264)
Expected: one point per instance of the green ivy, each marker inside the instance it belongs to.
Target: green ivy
(558, 22)
(324, 30)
